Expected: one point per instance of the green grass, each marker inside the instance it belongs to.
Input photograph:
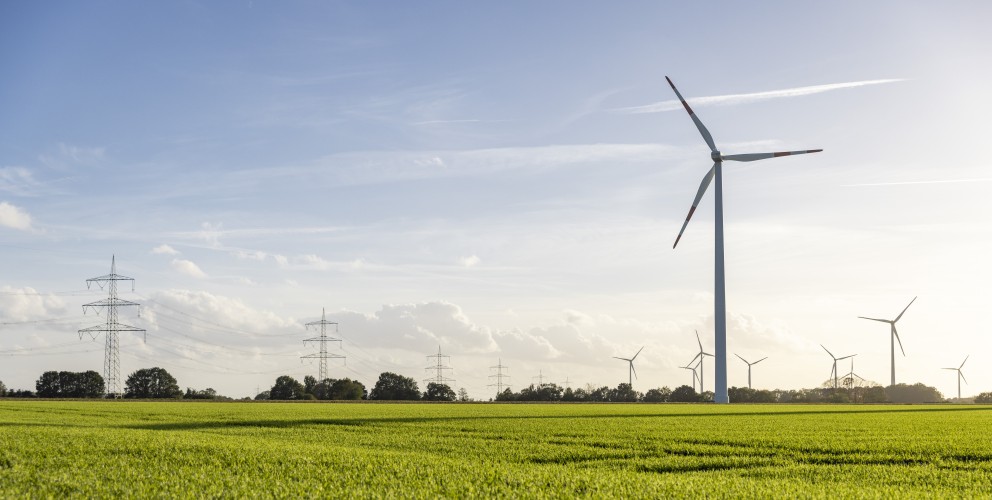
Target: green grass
(108, 448)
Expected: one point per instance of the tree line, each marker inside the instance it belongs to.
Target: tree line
(157, 383)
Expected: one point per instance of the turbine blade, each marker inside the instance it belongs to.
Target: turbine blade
(633, 369)
(828, 352)
(948, 368)
(700, 342)
(760, 360)
(845, 357)
(707, 354)
(965, 361)
(904, 310)
(962, 376)
(896, 333)
(695, 202)
(695, 119)
(625, 359)
(638, 352)
(762, 156)
(876, 319)
(742, 359)
(695, 357)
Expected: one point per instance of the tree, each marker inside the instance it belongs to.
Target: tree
(982, 399)
(88, 384)
(659, 395)
(393, 387)
(287, 388)
(684, 394)
(624, 393)
(3, 389)
(309, 384)
(463, 395)
(207, 393)
(438, 392)
(152, 383)
(506, 395)
(346, 389)
(262, 396)
(916, 393)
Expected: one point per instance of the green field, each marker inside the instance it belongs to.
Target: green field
(170, 449)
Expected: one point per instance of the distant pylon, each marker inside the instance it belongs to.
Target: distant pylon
(438, 368)
(499, 376)
(112, 329)
(540, 378)
(322, 342)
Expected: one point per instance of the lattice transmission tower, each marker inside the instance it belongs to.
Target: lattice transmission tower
(438, 367)
(322, 341)
(499, 376)
(111, 329)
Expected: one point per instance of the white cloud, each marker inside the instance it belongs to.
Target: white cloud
(18, 181)
(470, 261)
(27, 304)
(164, 249)
(733, 99)
(188, 268)
(14, 217)
(218, 309)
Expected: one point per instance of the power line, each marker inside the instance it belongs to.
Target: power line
(438, 369)
(322, 342)
(111, 329)
(499, 376)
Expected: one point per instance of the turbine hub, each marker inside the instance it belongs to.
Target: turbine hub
(716, 156)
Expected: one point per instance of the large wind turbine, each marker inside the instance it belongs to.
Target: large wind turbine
(749, 365)
(833, 371)
(702, 354)
(631, 373)
(694, 374)
(719, 295)
(895, 337)
(960, 375)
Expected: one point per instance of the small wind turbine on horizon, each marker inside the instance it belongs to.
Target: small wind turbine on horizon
(702, 354)
(695, 376)
(632, 373)
(895, 337)
(749, 365)
(960, 375)
(719, 295)
(833, 371)
(849, 378)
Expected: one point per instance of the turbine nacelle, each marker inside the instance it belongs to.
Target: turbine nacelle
(715, 156)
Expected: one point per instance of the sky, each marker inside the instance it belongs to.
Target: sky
(501, 181)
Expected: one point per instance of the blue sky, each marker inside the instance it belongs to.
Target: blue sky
(503, 180)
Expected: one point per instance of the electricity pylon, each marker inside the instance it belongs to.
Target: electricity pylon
(438, 367)
(112, 329)
(322, 341)
(499, 376)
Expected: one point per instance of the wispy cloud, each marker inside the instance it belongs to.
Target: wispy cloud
(164, 249)
(734, 99)
(912, 183)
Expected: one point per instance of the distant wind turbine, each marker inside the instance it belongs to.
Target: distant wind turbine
(719, 295)
(702, 354)
(749, 365)
(833, 371)
(960, 375)
(631, 373)
(894, 338)
(695, 376)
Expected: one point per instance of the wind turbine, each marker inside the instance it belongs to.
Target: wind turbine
(833, 371)
(895, 337)
(749, 365)
(632, 373)
(960, 375)
(694, 374)
(719, 295)
(849, 379)
(702, 354)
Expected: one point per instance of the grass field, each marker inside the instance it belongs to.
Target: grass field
(114, 448)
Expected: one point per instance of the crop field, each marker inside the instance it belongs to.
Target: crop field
(171, 449)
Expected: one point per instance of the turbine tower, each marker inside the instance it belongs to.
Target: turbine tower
(833, 371)
(719, 295)
(322, 342)
(702, 354)
(895, 337)
(960, 375)
(112, 329)
(749, 365)
(631, 373)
